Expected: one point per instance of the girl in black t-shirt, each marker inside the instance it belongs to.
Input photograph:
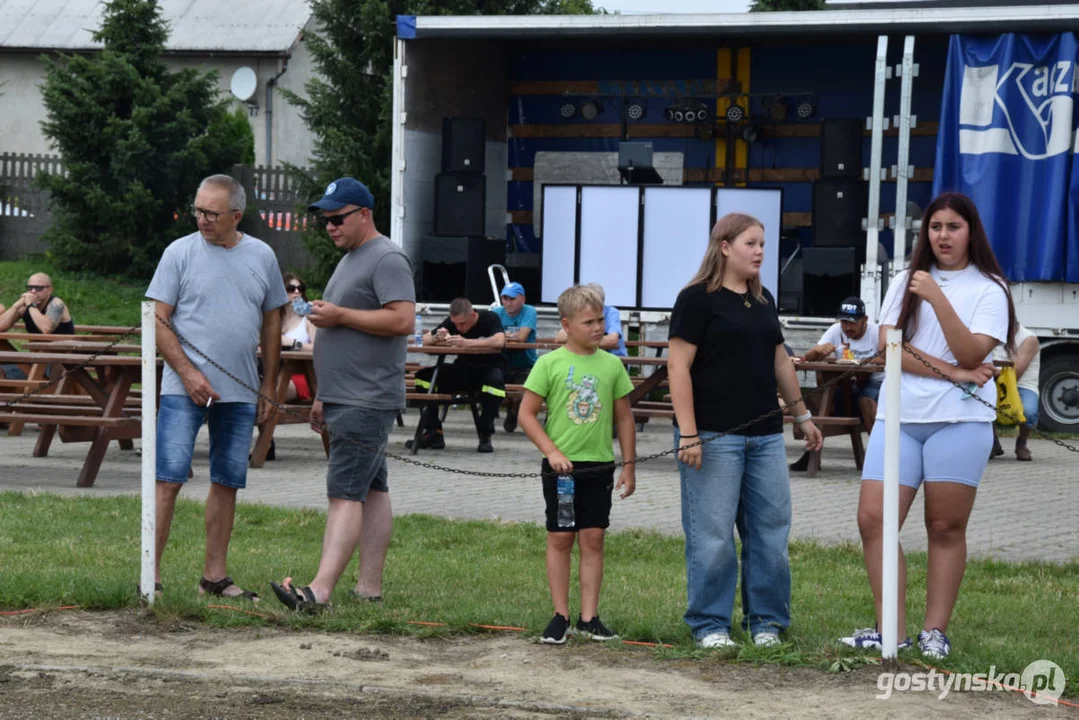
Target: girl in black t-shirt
(726, 363)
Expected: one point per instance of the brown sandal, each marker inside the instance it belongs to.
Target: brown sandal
(218, 587)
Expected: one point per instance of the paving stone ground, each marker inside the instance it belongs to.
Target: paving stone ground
(1024, 511)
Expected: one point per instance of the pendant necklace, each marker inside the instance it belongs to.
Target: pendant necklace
(745, 299)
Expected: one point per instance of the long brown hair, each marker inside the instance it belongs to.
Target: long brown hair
(287, 278)
(726, 229)
(979, 252)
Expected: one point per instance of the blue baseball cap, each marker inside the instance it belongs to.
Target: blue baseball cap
(344, 191)
(513, 289)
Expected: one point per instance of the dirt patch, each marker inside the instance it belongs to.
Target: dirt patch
(125, 665)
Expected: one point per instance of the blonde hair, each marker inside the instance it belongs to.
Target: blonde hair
(726, 229)
(577, 298)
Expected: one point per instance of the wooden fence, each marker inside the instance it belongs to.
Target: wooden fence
(25, 215)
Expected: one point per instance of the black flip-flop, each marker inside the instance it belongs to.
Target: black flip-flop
(218, 588)
(300, 600)
(365, 598)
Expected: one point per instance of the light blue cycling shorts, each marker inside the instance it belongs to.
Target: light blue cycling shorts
(934, 452)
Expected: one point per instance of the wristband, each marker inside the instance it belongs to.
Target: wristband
(683, 437)
(803, 418)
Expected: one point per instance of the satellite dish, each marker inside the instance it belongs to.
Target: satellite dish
(244, 83)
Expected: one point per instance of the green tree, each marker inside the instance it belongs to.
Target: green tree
(353, 55)
(135, 139)
(777, 5)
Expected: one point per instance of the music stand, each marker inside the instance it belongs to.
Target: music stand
(635, 164)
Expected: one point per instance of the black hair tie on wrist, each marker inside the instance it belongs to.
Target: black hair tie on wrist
(689, 436)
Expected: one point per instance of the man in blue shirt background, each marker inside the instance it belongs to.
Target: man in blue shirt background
(519, 324)
(613, 341)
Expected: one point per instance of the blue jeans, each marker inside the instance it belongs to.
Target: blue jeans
(1029, 399)
(178, 423)
(742, 482)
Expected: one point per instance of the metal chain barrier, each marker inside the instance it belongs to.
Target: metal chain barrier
(971, 393)
(134, 329)
(477, 473)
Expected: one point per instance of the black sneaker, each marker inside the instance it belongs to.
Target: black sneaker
(429, 440)
(511, 421)
(595, 630)
(556, 631)
(485, 445)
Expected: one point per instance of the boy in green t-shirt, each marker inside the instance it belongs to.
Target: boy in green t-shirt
(585, 390)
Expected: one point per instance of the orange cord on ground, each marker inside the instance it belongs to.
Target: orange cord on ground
(927, 666)
(27, 611)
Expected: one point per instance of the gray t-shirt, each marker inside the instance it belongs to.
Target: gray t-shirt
(353, 367)
(218, 297)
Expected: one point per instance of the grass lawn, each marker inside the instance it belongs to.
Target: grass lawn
(93, 300)
(85, 551)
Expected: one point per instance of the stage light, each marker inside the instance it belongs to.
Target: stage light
(702, 112)
(735, 113)
(635, 111)
(749, 134)
(806, 109)
(568, 110)
(590, 109)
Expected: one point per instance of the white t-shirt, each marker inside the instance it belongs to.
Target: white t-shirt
(982, 306)
(864, 347)
(1029, 380)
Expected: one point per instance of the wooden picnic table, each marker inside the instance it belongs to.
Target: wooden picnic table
(106, 417)
(826, 418)
(292, 362)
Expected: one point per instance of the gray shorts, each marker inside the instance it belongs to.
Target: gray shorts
(358, 438)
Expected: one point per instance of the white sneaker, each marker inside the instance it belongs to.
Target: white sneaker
(715, 640)
(766, 638)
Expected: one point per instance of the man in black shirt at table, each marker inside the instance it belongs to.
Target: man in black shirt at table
(466, 327)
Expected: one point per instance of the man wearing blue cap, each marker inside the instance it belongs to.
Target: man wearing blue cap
(367, 311)
(519, 324)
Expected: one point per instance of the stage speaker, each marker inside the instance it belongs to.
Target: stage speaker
(839, 204)
(460, 204)
(841, 148)
(463, 144)
(829, 274)
(453, 267)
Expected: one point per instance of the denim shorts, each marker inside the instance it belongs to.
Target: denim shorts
(936, 452)
(358, 438)
(178, 423)
(1029, 398)
(870, 390)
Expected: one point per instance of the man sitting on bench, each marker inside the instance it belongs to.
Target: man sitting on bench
(466, 327)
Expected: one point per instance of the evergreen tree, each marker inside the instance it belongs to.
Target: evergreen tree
(348, 102)
(135, 139)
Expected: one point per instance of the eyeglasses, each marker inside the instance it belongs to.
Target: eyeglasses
(36, 288)
(338, 220)
(197, 212)
(295, 288)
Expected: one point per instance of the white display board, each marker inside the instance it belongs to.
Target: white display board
(765, 204)
(559, 241)
(677, 221)
(608, 243)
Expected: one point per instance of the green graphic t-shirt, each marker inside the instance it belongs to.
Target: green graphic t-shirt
(580, 391)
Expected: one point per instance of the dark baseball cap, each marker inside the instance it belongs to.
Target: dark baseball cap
(851, 309)
(344, 191)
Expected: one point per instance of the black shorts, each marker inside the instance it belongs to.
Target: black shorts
(591, 496)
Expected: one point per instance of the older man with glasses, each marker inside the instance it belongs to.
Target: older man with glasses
(220, 289)
(367, 311)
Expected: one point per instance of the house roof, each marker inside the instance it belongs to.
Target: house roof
(198, 26)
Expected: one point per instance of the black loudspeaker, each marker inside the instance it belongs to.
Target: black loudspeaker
(460, 204)
(839, 204)
(463, 145)
(841, 148)
(453, 267)
(829, 275)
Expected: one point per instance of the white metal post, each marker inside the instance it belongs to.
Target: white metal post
(397, 151)
(877, 124)
(889, 611)
(903, 170)
(149, 449)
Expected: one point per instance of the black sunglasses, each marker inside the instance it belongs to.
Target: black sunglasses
(338, 220)
(295, 288)
(36, 288)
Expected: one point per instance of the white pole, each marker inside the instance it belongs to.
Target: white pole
(149, 449)
(889, 612)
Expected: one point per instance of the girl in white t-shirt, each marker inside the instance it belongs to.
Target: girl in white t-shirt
(954, 307)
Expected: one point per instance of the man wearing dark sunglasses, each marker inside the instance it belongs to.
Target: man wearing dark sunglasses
(366, 313)
(39, 309)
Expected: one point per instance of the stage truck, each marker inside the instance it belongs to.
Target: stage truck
(602, 148)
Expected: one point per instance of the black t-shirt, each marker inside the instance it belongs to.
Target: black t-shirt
(733, 371)
(486, 325)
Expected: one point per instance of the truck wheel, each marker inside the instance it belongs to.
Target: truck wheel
(1059, 393)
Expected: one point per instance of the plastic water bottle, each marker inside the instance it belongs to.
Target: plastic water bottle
(566, 517)
(418, 330)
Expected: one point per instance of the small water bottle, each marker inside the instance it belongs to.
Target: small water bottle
(566, 517)
(418, 330)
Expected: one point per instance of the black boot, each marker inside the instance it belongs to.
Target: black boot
(801, 464)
